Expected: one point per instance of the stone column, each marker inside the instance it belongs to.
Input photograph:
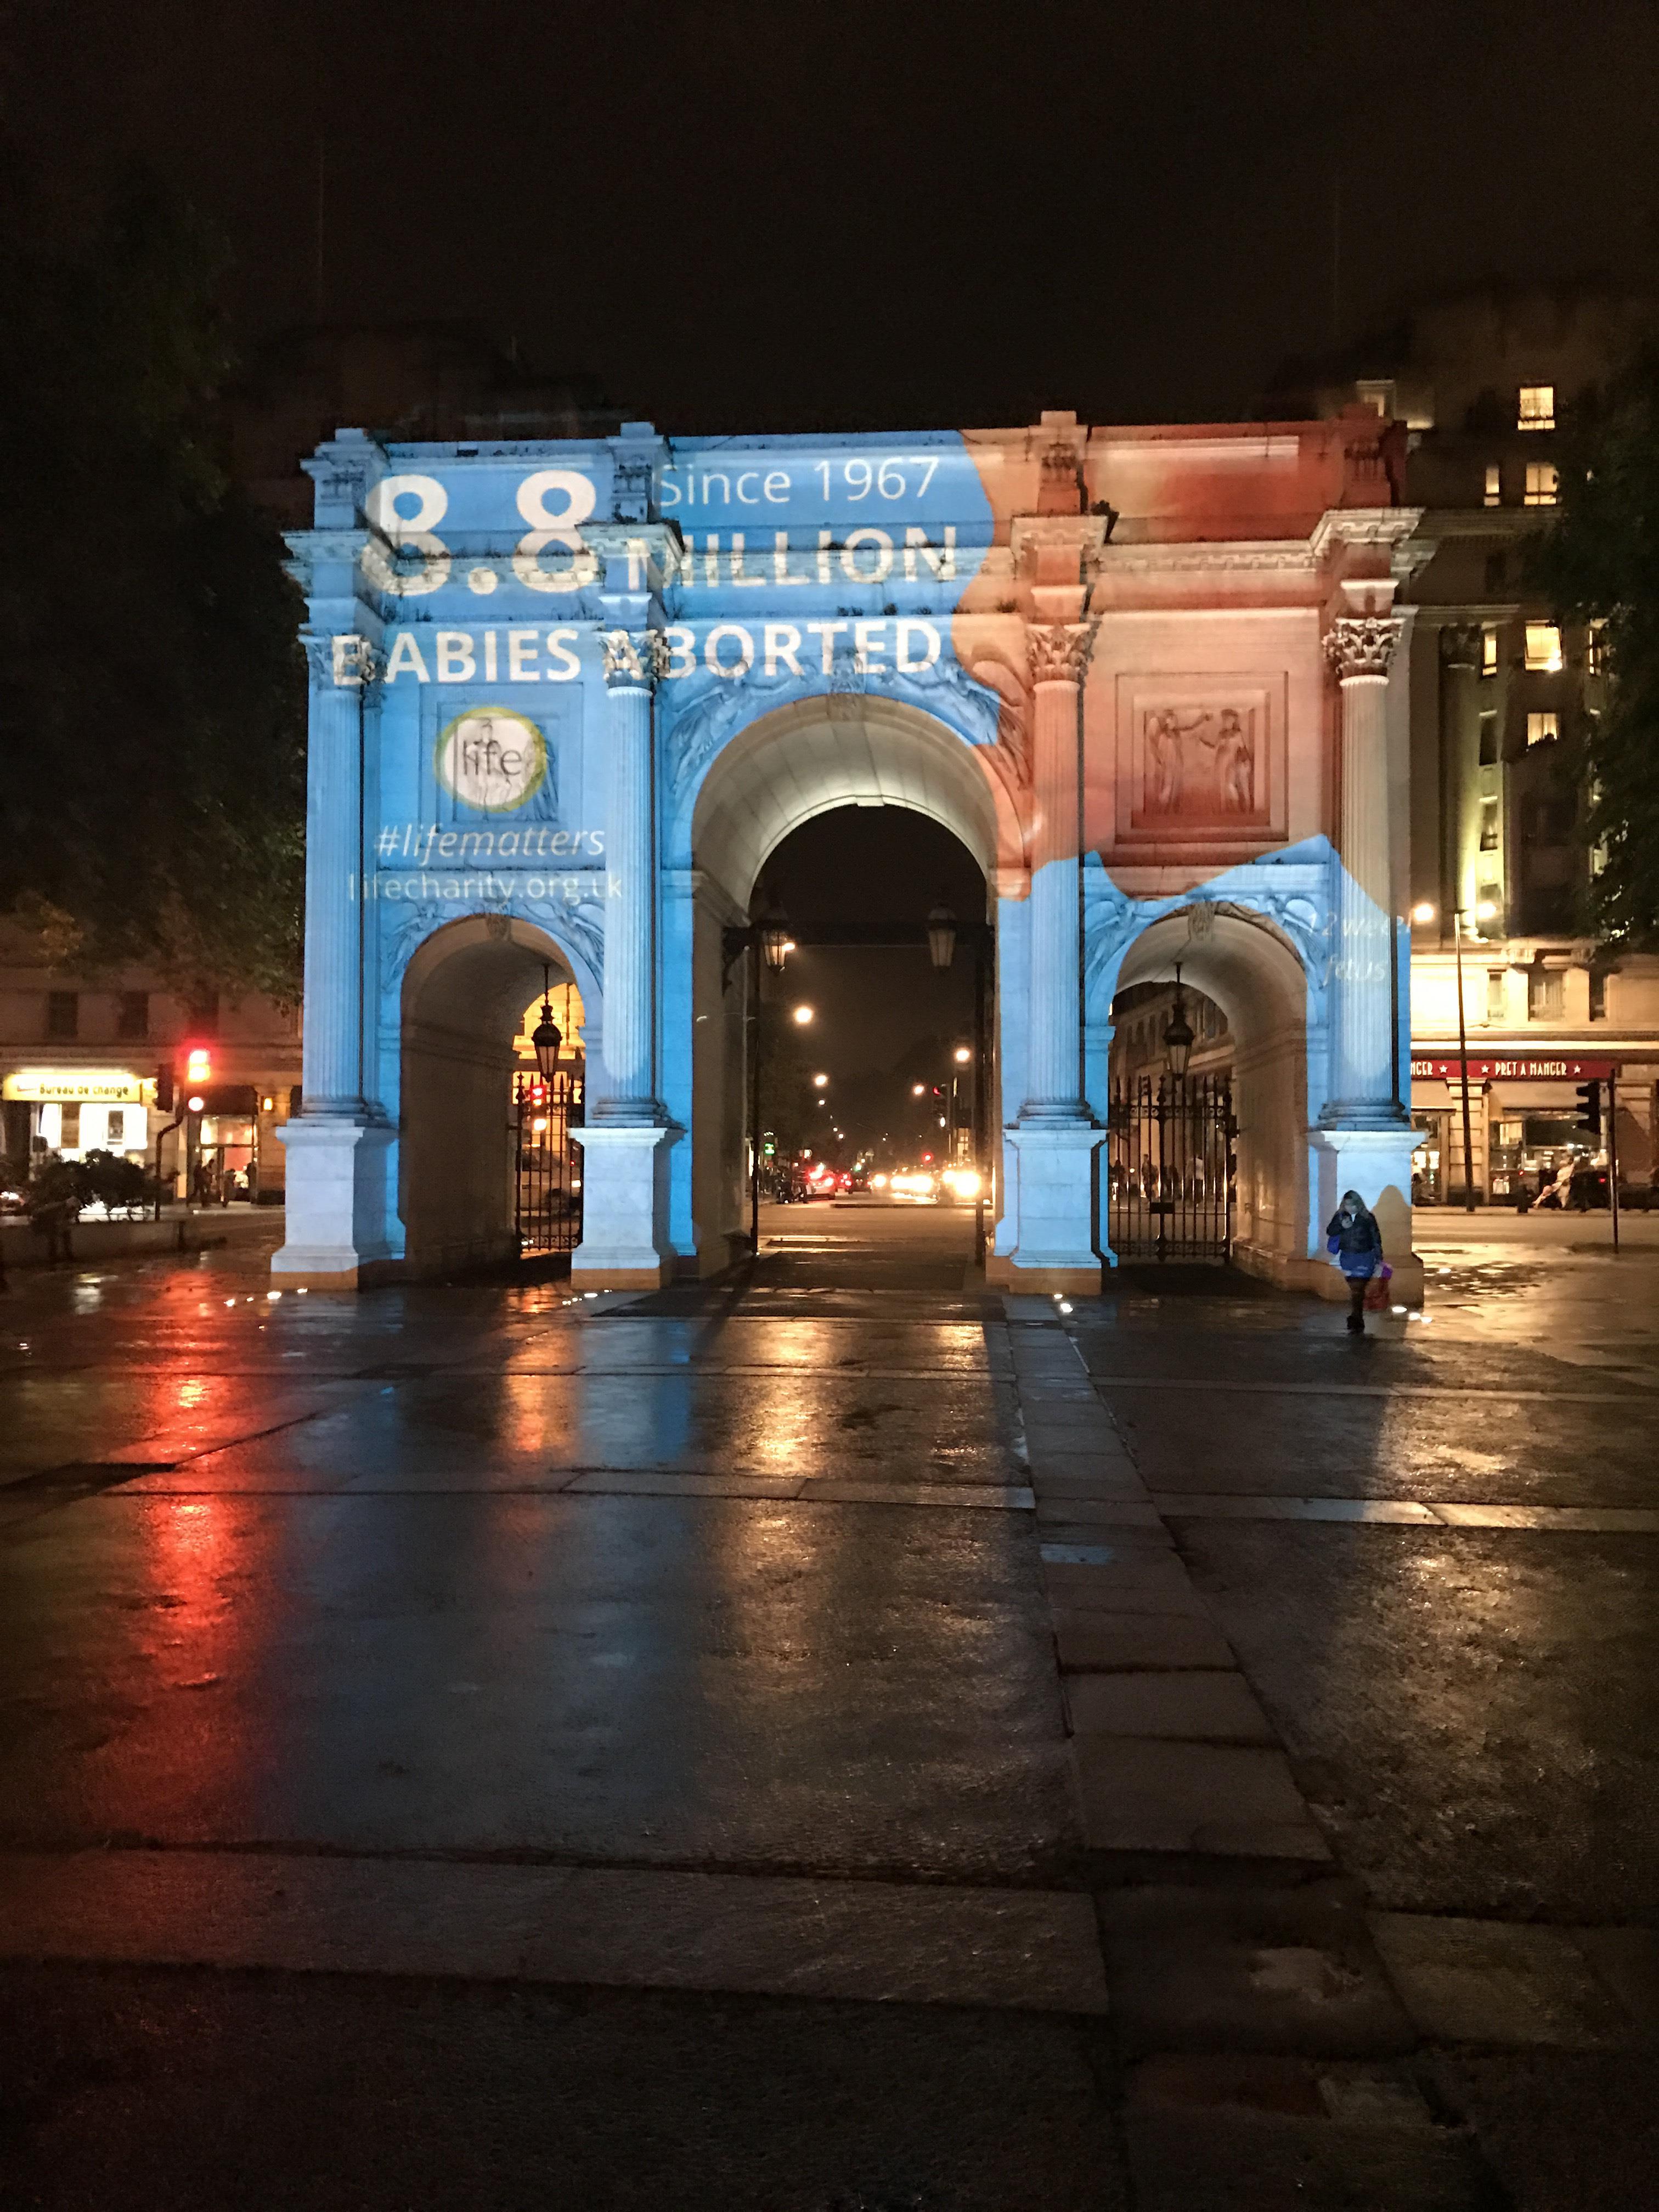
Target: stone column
(336, 1147)
(1460, 767)
(332, 1027)
(631, 667)
(1060, 653)
(625, 1243)
(1360, 648)
(1049, 1205)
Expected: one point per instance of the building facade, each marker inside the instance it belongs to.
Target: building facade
(80, 1055)
(568, 695)
(1501, 865)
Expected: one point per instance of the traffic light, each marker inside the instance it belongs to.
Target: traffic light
(164, 1089)
(1590, 1109)
(199, 1065)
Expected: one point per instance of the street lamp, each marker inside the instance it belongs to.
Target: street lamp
(820, 1082)
(775, 942)
(803, 1015)
(1482, 912)
(941, 936)
(546, 1037)
(1178, 1032)
(964, 1054)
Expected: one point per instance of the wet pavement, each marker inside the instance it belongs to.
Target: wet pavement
(833, 1738)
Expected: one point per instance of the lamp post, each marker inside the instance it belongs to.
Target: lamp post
(1483, 912)
(546, 1037)
(1178, 1032)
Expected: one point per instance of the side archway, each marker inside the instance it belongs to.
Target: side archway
(463, 994)
(1257, 978)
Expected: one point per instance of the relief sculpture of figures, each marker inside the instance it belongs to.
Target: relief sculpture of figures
(1216, 778)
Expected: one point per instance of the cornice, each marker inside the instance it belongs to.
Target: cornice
(1362, 526)
(1218, 555)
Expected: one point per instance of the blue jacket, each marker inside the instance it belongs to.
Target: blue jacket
(1357, 1244)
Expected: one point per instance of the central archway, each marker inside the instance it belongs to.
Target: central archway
(778, 774)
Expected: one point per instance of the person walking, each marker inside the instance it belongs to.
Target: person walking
(1352, 1234)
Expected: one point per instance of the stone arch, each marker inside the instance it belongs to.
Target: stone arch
(1256, 975)
(854, 750)
(463, 991)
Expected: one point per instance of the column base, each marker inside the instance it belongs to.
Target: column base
(625, 1244)
(336, 1202)
(1050, 1210)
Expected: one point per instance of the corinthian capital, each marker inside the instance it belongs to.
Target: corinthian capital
(634, 661)
(342, 658)
(1460, 645)
(1059, 650)
(1362, 645)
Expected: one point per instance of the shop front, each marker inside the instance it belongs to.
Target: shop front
(73, 1111)
(1534, 1136)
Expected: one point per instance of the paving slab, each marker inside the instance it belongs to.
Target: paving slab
(1229, 1799)
(1091, 1641)
(1256, 1969)
(1492, 1982)
(615, 1927)
(1190, 1705)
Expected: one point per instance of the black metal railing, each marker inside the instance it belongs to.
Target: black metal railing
(547, 1184)
(1168, 1172)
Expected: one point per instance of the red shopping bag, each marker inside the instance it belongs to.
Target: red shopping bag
(1376, 1290)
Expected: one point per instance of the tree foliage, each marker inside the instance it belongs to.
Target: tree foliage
(1599, 563)
(152, 717)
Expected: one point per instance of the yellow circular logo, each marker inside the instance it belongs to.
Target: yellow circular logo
(491, 759)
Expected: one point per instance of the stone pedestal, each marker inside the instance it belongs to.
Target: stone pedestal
(1053, 1202)
(625, 1244)
(336, 1203)
(1377, 1163)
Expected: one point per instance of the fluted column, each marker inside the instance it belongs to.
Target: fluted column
(632, 664)
(340, 666)
(1360, 648)
(1459, 765)
(1060, 653)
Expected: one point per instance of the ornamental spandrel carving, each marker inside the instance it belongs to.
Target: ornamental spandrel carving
(1059, 650)
(633, 659)
(1362, 645)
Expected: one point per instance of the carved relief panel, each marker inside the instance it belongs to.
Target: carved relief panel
(1200, 764)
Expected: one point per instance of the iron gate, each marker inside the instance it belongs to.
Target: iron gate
(547, 1180)
(1168, 1174)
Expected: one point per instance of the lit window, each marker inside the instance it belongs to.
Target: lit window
(1541, 483)
(1489, 826)
(1595, 650)
(1494, 485)
(1496, 994)
(1540, 728)
(1537, 408)
(1488, 650)
(1543, 648)
(1547, 995)
(1376, 393)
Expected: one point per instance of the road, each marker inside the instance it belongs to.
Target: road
(833, 1738)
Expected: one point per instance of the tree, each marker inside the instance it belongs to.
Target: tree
(152, 718)
(1598, 562)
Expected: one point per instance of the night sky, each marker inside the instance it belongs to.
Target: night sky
(767, 216)
(747, 217)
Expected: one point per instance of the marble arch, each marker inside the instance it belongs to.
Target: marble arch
(580, 687)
